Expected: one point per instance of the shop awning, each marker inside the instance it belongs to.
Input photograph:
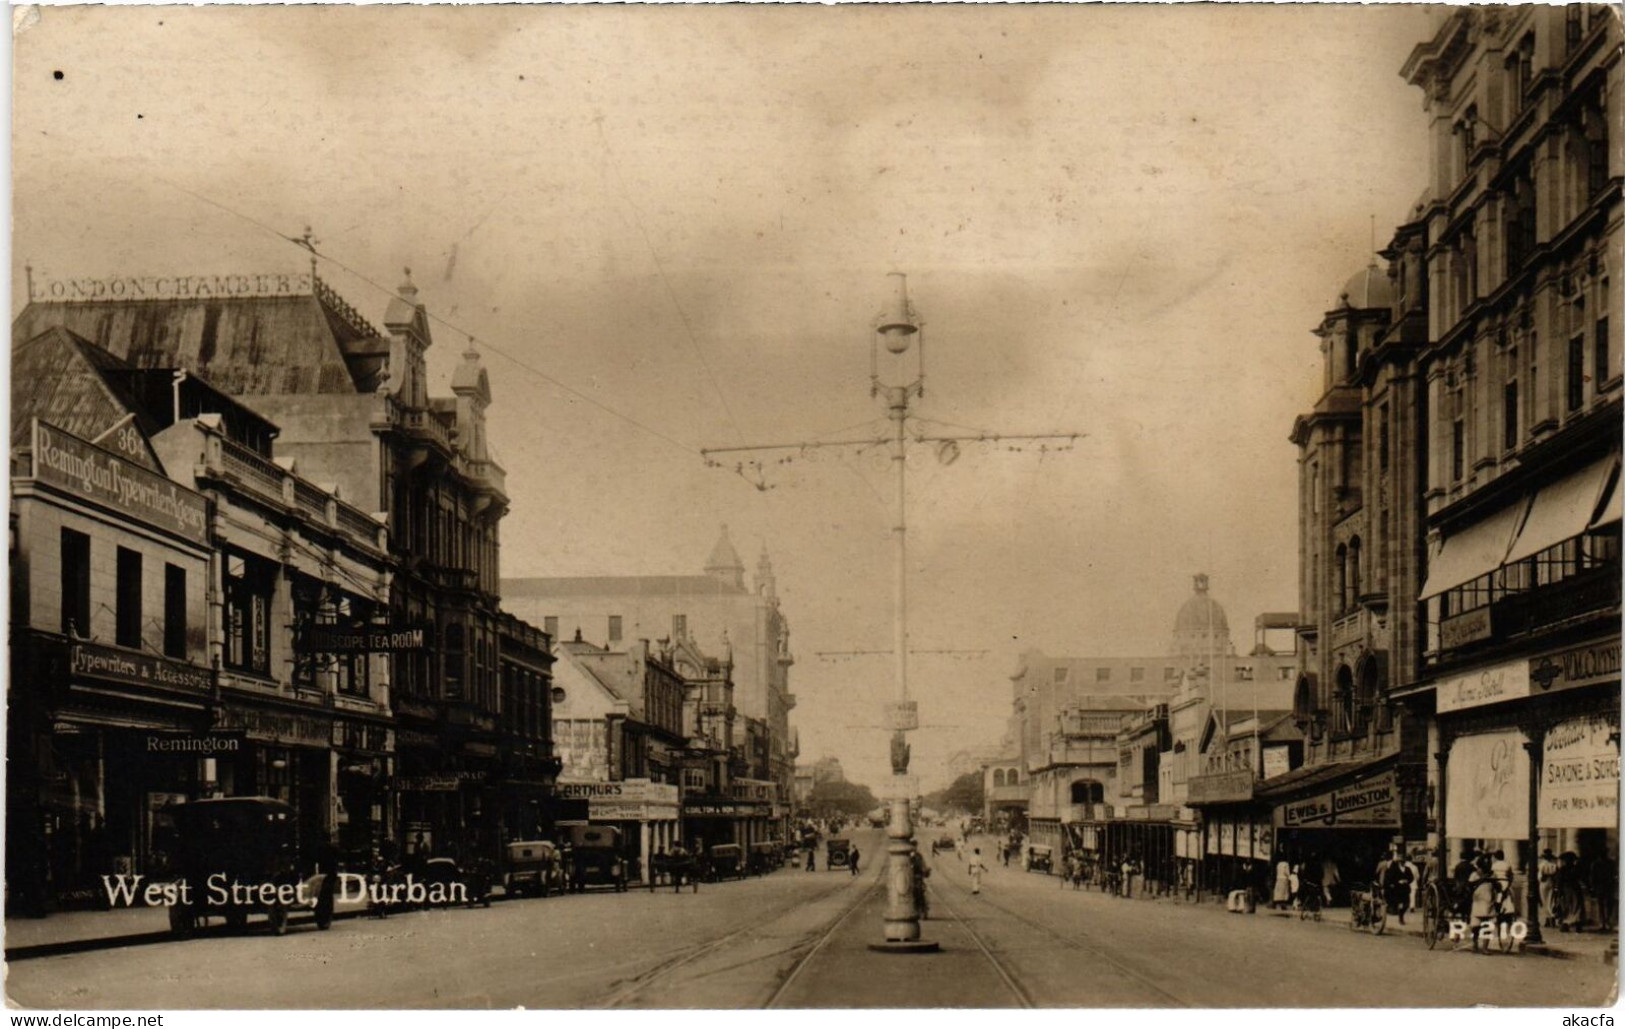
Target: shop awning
(1562, 510)
(1477, 550)
(1313, 777)
(1609, 512)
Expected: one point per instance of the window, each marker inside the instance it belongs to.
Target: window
(1342, 577)
(1382, 438)
(127, 617)
(679, 627)
(550, 625)
(1354, 573)
(614, 628)
(1136, 675)
(1103, 674)
(1458, 450)
(75, 583)
(1509, 416)
(249, 586)
(174, 611)
(1287, 674)
(1170, 672)
(1244, 673)
(1060, 675)
(1600, 350)
(1351, 354)
(1577, 373)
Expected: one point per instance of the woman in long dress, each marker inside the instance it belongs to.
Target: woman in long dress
(976, 868)
(1282, 897)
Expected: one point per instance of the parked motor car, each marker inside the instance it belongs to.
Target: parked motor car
(838, 852)
(534, 869)
(1040, 858)
(726, 861)
(596, 858)
(246, 848)
(447, 874)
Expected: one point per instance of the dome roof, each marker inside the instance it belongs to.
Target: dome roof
(1368, 288)
(1201, 613)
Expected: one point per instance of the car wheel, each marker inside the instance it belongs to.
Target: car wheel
(237, 920)
(181, 921)
(324, 913)
(279, 920)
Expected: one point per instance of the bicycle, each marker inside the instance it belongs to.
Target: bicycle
(1367, 910)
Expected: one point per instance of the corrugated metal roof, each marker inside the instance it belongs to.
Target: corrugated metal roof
(62, 379)
(242, 345)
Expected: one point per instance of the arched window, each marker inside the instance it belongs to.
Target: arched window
(1343, 701)
(1088, 792)
(998, 777)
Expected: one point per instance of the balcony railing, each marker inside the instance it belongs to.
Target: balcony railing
(279, 486)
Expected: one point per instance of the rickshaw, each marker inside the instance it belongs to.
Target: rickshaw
(595, 855)
(837, 854)
(727, 861)
(238, 857)
(1040, 858)
(534, 869)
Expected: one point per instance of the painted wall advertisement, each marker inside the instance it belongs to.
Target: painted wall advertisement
(1484, 686)
(1579, 781)
(1368, 804)
(86, 470)
(1487, 788)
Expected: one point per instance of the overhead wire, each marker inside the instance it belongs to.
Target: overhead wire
(309, 246)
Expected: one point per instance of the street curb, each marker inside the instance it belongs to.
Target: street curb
(95, 943)
(1543, 949)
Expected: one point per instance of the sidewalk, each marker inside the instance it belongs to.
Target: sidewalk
(88, 930)
(1586, 946)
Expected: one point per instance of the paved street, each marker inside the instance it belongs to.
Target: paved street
(798, 939)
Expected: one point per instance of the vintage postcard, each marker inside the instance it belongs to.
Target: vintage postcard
(801, 506)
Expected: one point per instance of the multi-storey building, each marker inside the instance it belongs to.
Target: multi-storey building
(353, 411)
(181, 636)
(1511, 257)
(715, 609)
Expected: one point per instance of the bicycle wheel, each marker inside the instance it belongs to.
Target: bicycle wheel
(1432, 916)
(1379, 916)
(1357, 915)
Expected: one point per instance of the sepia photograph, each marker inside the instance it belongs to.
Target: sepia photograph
(710, 507)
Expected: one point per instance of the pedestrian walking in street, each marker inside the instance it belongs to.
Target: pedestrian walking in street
(852, 860)
(1603, 883)
(1282, 897)
(812, 859)
(1570, 901)
(1484, 887)
(976, 870)
(1395, 879)
(1547, 871)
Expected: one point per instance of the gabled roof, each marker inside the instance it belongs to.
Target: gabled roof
(64, 380)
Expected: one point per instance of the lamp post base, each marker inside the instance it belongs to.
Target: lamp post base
(906, 947)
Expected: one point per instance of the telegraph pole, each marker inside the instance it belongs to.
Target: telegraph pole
(897, 326)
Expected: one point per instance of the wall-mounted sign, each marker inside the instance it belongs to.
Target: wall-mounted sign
(1369, 804)
(1487, 787)
(170, 287)
(1492, 685)
(1220, 787)
(93, 661)
(1277, 761)
(429, 784)
(1579, 776)
(278, 727)
(1462, 629)
(85, 470)
(330, 639)
(1582, 666)
(192, 744)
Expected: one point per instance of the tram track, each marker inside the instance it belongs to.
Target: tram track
(1071, 942)
(1006, 975)
(628, 992)
(821, 938)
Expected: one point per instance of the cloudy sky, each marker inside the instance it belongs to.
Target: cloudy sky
(1123, 221)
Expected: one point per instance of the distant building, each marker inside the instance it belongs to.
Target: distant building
(715, 609)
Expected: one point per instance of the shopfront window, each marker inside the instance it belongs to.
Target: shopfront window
(250, 586)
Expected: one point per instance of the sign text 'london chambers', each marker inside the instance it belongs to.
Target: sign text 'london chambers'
(170, 287)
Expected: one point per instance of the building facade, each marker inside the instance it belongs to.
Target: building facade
(716, 609)
(1517, 615)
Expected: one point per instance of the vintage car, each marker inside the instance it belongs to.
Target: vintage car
(449, 882)
(1040, 858)
(838, 853)
(764, 857)
(238, 857)
(534, 869)
(725, 861)
(596, 858)
(942, 843)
